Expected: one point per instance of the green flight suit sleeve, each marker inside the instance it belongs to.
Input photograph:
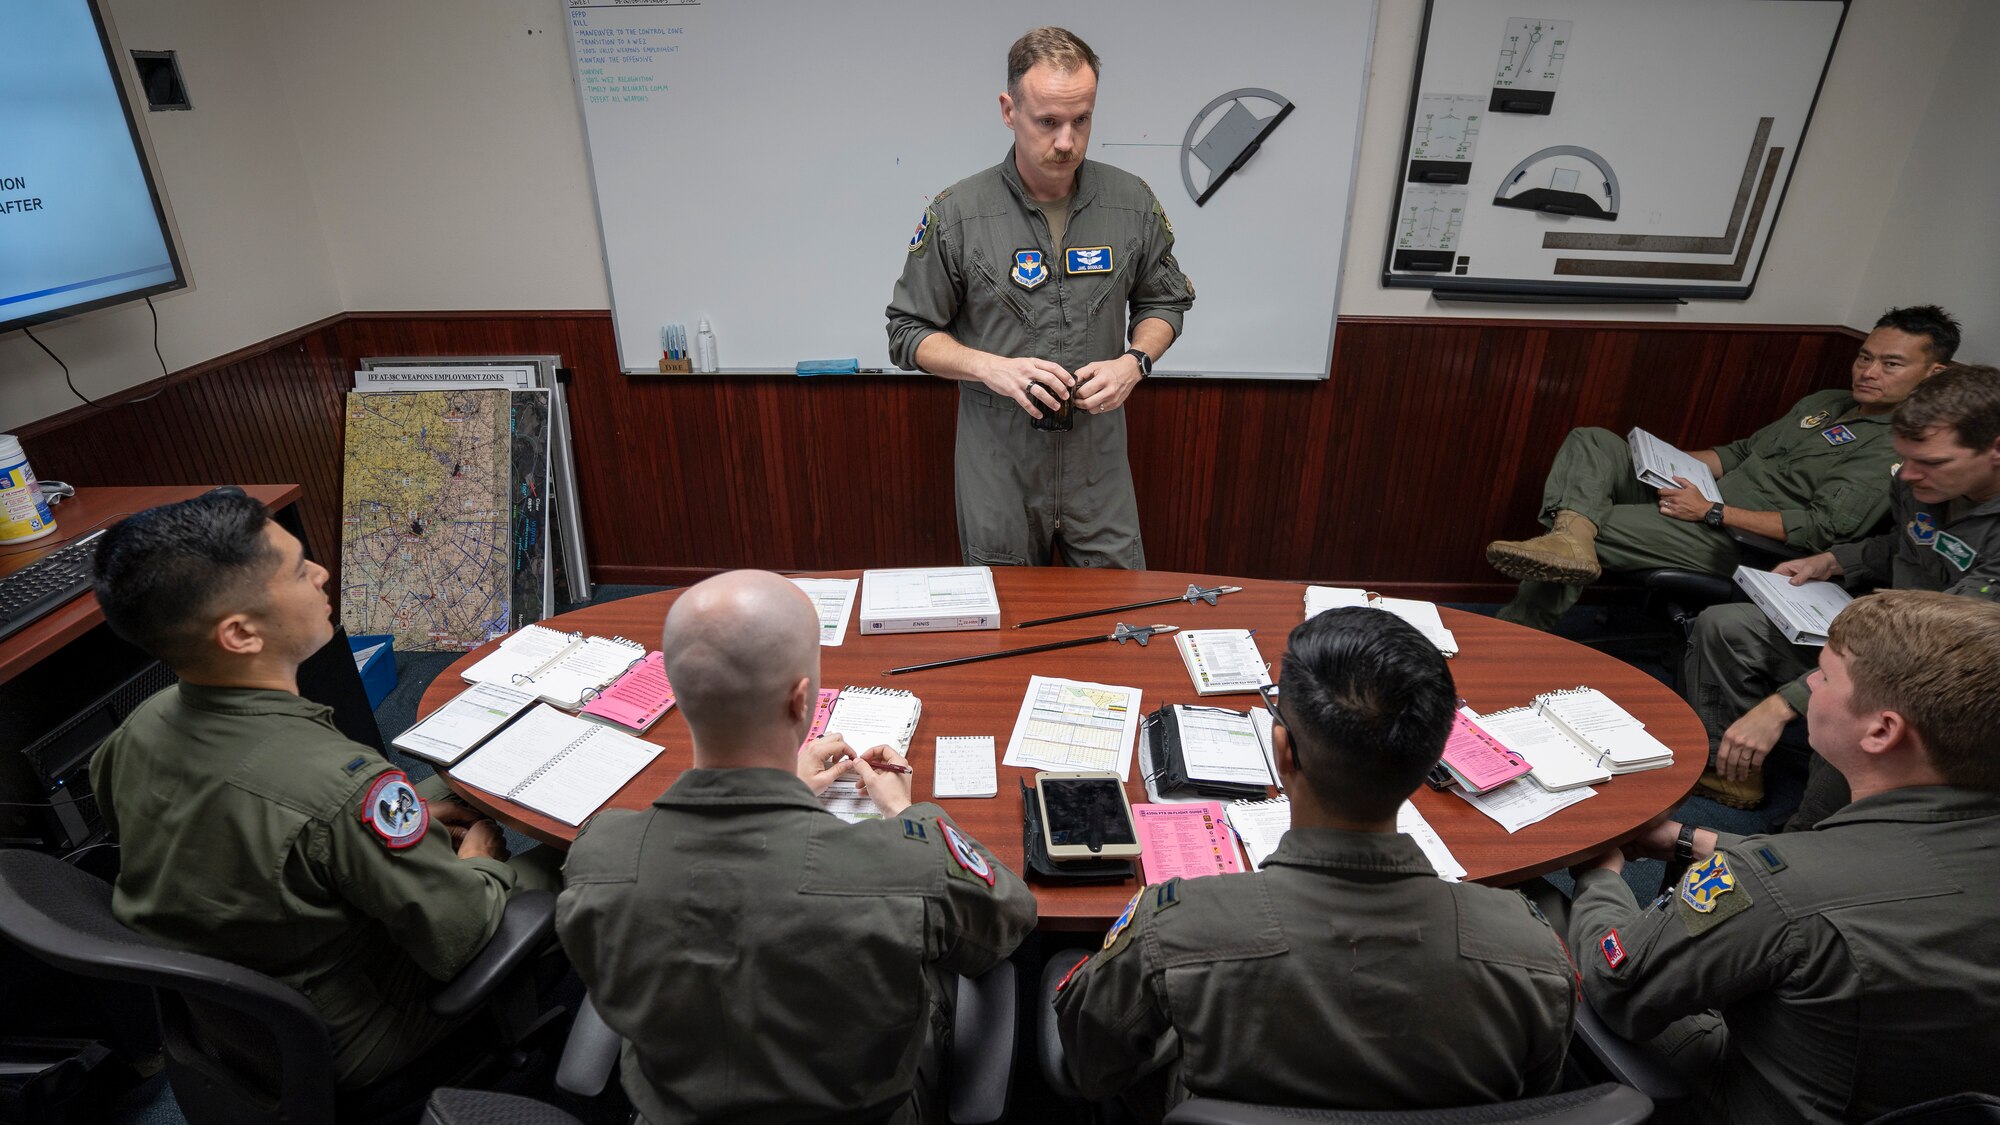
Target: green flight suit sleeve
(974, 926)
(1114, 1027)
(1163, 292)
(1677, 961)
(1846, 503)
(1732, 453)
(928, 294)
(1867, 562)
(438, 907)
(1981, 580)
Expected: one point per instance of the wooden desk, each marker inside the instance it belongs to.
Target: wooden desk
(87, 511)
(1499, 665)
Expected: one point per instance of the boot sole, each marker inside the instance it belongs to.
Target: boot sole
(1728, 800)
(1527, 568)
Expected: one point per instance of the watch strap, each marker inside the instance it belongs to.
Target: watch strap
(1684, 845)
(1145, 360)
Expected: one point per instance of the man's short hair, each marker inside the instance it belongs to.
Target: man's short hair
(1930, 321)
(1964, 396)
(1368, 701)
(1052, 45)
(164, 576)
(1934, 659)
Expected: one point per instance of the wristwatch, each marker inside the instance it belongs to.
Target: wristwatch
(1714, 516)
(1684, 845)
(1145, 361)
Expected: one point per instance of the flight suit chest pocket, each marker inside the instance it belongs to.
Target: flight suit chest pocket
(1380, 978)
(1093, 274)
(994, 288)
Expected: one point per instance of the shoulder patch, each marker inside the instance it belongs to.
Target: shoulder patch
(1612, 948)
(922, 236)
(1709, 894)
(913, 829)
(1162, 213)
(1167, 894)
(963, 853)
(1112, 944)
(394, 812)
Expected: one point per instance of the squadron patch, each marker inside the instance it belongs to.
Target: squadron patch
(1955, 551)
(1838, 435)
(923, 232)
(1612, 948)
(1709, 893)
(968, 857)
(1087, 259)
(1811, 420)
(1029, 269)
(1922, 530)
(1117, 929)
(394, 811)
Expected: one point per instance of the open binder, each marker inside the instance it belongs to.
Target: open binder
(565, 669)
(1209, 751)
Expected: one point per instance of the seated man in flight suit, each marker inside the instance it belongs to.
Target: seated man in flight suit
(1815, 477)
(1747, 681)
(762, 959)
(1836, 974)
(1345, 973)
(253, 831)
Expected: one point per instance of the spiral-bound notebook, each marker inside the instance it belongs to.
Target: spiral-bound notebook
(557, 764)
(565, 669)
(867, 717)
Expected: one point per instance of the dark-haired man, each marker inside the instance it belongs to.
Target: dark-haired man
(1815, 477)
(1017, 286)
(1837, 974)
(250, 829)
(1345, 972)
(1747, 681)
(762, 959)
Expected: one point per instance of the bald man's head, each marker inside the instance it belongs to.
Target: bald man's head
(736, 647)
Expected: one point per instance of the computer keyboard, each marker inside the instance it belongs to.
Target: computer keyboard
(44, 584)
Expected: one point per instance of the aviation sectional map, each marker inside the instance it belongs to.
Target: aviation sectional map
(426, 540)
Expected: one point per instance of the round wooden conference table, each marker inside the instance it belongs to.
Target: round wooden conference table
(1498, 665)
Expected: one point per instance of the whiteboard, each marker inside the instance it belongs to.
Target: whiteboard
(1693, 110)
(764, 165)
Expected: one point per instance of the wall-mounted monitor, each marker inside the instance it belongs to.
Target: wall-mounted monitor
(82, 224)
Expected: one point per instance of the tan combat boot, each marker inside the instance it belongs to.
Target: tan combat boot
(1745, 794)
(1567, 554)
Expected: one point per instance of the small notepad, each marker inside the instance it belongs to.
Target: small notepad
(965, 767)
(557, 764)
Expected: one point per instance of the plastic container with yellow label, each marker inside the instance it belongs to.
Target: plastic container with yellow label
(24, 515)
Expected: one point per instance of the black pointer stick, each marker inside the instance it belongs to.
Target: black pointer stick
(1121, 634)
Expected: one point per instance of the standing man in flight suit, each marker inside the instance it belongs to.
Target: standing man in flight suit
(1016, 287)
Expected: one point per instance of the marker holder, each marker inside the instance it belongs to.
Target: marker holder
(676, 366)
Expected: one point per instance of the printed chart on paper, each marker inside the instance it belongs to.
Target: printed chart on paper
(1071, 725)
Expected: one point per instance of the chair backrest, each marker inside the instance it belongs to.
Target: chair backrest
(1606, 1104)
(240, 1045)
(1957, 1109)
(479, 1107)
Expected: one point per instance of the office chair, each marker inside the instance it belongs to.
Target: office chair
(243, 1047)
(483, 1107)
(985, 1017)
(1958, 1109)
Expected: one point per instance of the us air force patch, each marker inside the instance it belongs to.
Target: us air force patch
(1087, 259)
(1811, 420)
(1838, 435)
(1710, 893)
(923, 232)
(1029, 270)
(394, 811)
(1922, 530)
(968, 857)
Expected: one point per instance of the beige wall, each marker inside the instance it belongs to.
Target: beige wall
(1941, 238)
(431, 156)
(251, 238)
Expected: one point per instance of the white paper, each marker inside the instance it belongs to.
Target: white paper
(557, 764)
(1220, 661)
(1319, 599)
(834, 599)
(965, 767)
(1074, 725)
(1657, 463)
(1424, 616)
(363, 655)
(1259, 826)
(447, 733)
(589, 666)
(524, 650)
(1261, 719)
(867, 719)
(1521, 802)
(1218, 745)
(1586, 711)
(1559, 762)
(1411, 823)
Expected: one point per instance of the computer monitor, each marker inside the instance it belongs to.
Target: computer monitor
(82, 224)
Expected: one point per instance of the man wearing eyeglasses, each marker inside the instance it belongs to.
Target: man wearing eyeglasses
(1345, 973)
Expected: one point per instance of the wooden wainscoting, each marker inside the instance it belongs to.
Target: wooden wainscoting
(1430, 437)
